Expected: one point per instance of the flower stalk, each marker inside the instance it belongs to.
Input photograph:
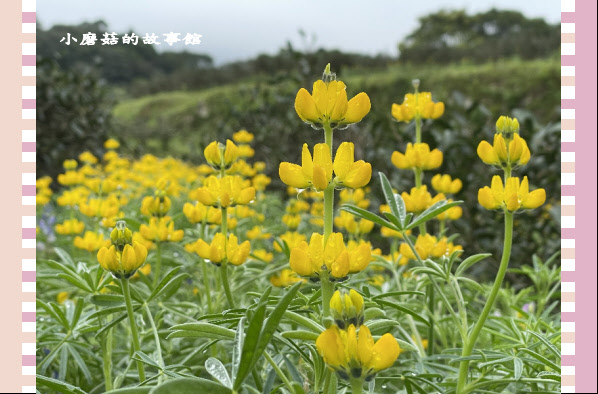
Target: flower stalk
(134, 333)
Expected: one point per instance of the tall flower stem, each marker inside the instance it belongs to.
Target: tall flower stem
(473, 336)
(158, 263)
(157, 340)
(357, 386)
(136, 346)
(224, 263)
(107, 359)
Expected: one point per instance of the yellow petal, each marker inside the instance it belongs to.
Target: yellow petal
(323, 159)
(365, 344)
(486, 198)
(358, 107)
(290, 174)
(500, 147)
(487, 154)
(230, 153)
(212, 153)
(340, 267)
(340, 106)
(399, 160)
(300, 261)
(534, 199)
(330, 345)
(246, 196)
(359, 175)
(385, 353)
(306, 106)
(434, 160)
(319, 181)
(140, 252)
(438, 110)
(360, 258)
(343, 159)
(307, 164)
(129, 259)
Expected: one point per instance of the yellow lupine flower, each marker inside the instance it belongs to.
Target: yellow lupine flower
(291, 221)
(350, 173)
(221, 248)
(246, 151)
(445, 184)
(513, 196)
(71, 226)
(418, 200)
(160, 230)
(507, 126)
(347, 308)
(333, 257)
(90, 241)
(111, 144)
(355, 355)
(221, 156)
(354, 196)
(62, 297)
(260, 182)
(328, 105)
(453, 213)
(427, 246)
(125, 263)
(70, 178)
(417, 105)
(292, 239)
(242, 137)
(417, 156)
(88, 157)
(285, 278)
(316, 173)
(69, 164)
(263, 254)
(501, 154)
(155, 206)
(224, 192)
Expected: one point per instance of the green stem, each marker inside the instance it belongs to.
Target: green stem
(357, 386)
(431, 307)
(279, 372)
(328, 136)
(136, 347)
(158, 263)
(224, 263)
(328, 212)
(157, 340)
(107, 359)
(502, 270)
(206, 285)
(327, 292)
(418, 129)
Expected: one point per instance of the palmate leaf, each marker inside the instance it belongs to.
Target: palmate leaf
(431, 213)
(57, 385)
(365, 214)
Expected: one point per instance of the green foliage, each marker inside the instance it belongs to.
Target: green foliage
(450, 36)
(73, 115)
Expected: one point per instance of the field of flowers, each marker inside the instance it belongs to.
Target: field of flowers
(159, 276)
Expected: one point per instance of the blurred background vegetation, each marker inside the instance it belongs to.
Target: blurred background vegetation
(174, 103)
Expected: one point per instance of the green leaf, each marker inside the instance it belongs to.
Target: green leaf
(144, 358)
(303, 321)
(517, 368)
(300, 334)
(251, 342)
(542, 359)
(212, 330)
(471, 260)
(397, 210)
(362, 213)
(131, 390)
(406, 346)
(77, 281)
(57, 385)
(54, 312)
(215, 368)
(65, 257)
(171, 287)
(408, 311)
(549, 345)
(107, 300)
(190, 386)
(163, 283)
(382, 325)
(238, 347)
(431, 213)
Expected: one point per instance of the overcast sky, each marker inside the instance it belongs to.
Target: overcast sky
(236, 30)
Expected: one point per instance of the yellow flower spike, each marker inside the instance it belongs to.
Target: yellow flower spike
(417, 156)
(513, 196)
(444, 184)
(349, 172)
(354, 355)
(316, 172)
(418, 200)
(111, 144)
(235, 253)
(417, 105)
(285, 278)
(243, 137)
(328, 105)
(69, 164)
(71, 226)
(90, 241)
(360, 258)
